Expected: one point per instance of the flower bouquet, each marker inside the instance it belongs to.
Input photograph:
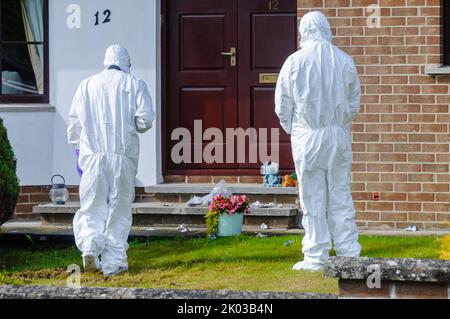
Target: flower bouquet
(226, 215)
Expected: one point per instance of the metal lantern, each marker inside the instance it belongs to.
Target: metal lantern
(59, 194)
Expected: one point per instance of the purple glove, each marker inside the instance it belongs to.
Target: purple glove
(79, 171)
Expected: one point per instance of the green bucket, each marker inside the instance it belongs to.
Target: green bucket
(230, 225)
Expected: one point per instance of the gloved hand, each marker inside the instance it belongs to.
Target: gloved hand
(79, 171)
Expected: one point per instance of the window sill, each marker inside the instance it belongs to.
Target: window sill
(27, 108)
(437, 69)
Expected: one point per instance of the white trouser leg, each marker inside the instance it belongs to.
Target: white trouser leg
(90, 221)
(313, 198)
(119, 223)
(341, 212)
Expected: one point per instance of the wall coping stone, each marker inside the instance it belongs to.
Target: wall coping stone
(412, 270)
(47, 292)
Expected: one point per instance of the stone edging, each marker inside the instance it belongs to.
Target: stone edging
(40, 292)
(412, 270)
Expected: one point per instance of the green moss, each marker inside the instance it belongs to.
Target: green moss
(242, 263)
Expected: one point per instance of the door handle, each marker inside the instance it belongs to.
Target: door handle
(232, 54)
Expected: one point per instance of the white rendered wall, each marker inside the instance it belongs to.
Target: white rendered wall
(31, 136)
(78, 53)
(39, 138)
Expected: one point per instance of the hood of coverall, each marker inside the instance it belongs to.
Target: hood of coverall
(314, 27)
(119, 56)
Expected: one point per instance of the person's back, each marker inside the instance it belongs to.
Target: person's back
(108, 117)
(325, 69)
(318, 94)
(108, 111)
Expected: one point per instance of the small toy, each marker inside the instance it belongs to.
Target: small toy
(271, 173)
(289, 181)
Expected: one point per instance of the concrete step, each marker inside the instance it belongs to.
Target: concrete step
(26, 217)
(42, 231)
(21, 231)
(174, 214)
(181, 193)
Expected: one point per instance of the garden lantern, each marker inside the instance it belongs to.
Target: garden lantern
(59, 193)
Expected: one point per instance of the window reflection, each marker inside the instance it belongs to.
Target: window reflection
(22, 47)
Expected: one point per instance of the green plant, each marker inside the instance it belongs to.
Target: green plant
(212, 222)
(9, 183)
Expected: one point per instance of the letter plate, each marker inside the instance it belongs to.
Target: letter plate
(268, 78)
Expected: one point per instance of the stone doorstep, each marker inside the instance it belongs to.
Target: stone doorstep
(174, 214)
(400, 278)
(11, 229)
(41, 292)
(203, 189)
(167, 209)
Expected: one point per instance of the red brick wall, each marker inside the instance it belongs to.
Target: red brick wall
(31, 196)
(401, 139)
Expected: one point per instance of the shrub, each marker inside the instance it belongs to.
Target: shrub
(9, 183)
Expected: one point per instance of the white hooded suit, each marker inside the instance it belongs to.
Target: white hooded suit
(318, 94)
(108, 111)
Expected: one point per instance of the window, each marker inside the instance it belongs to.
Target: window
(446, 31)
(24, 51)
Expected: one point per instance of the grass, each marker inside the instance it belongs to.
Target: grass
(445, 248)
(243, 263)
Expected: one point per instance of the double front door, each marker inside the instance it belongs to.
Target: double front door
(222, 61)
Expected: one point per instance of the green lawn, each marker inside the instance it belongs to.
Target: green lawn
(244, 263)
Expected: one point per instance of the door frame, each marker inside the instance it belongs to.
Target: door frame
(164, 117)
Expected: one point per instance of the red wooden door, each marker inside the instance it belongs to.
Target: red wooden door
(203, 84)
(267, 36)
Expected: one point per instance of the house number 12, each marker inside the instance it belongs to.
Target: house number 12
(274, 5)
(107, 15)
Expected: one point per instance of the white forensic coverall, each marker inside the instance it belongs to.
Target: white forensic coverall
(107, 113)
(317, 96)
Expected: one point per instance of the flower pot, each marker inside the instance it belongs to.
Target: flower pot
(230, 225)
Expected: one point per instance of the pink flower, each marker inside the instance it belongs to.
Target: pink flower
(236, 204)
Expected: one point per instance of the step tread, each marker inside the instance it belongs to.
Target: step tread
(167, 209)
(203, 189)
(43, 228)
(47, 229)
